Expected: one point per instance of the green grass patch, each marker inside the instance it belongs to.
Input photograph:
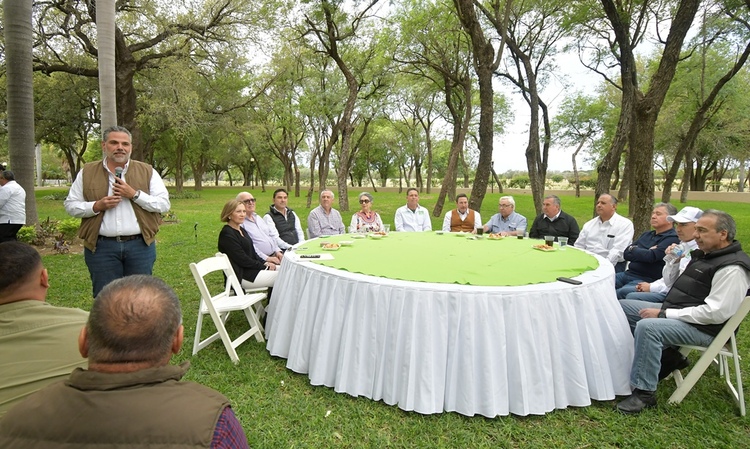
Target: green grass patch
(280, 409)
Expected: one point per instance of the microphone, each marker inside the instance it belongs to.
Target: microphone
(118, 172)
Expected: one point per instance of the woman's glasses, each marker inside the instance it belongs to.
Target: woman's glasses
(364, 201)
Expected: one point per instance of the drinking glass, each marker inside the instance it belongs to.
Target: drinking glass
(563, 242)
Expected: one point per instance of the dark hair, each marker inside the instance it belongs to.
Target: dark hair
(18, 261)
(724, 222)
(133, 319)
(115, 129)
(461, 195)
(278, 191)
(8, 175)
(410, 189)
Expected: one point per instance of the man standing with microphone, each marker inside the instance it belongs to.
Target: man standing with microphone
(119, 202)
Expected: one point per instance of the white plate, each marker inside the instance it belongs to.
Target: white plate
(358, 236)
(346, 242)
(376, 236)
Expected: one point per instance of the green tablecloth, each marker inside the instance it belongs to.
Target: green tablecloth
(447, 258)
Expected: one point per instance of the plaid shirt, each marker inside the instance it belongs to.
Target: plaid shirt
(228, 433)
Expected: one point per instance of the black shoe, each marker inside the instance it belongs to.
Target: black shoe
(637, 401)
(672, 359)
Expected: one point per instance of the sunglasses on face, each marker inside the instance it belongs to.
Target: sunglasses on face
(250, 201)
(364, 201)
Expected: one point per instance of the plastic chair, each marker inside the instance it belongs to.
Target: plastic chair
(219, 305)
(719, 351)
(260, 310)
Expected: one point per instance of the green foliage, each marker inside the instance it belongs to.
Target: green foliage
(68, 228)
(557, 178)
(184, 195)
(519, 182)
(27, 234)
(56, 196)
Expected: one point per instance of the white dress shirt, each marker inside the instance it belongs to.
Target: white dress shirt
(262, 236)
(608, 239)
(12, 203)
(408, 220)
(120, 220)
(728, 288)
(672, 270)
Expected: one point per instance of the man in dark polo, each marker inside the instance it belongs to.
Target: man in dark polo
(119, 202)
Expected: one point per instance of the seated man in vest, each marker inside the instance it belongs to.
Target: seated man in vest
(130, 396)
(702, 299)
(462, 219)
(283, 222)
(38, 340)
(553, 221)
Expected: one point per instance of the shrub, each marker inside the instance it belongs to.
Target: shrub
(557, 178)
(57, 196)
(519, 182)
(185, 195)
(68, 228)
(27, 234)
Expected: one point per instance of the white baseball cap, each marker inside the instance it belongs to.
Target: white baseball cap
(686, 215)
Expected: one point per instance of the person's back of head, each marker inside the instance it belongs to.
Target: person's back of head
(20, 264)
(135, 323)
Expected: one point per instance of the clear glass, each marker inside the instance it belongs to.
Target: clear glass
(563, 242)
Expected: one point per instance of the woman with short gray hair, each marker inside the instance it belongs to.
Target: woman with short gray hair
(366, 220)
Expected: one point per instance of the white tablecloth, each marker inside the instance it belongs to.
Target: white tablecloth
(442, 347)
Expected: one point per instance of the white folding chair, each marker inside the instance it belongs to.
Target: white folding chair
(260, 310)
(219, 305)
(719, 351)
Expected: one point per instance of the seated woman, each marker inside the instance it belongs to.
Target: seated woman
(250, 269)
(366, 220)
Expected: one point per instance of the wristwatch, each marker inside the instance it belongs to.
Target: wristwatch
(137, 194)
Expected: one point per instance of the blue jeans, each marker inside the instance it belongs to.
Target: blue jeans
(113, 260)
(626, 277)
(651, 336)
(647, 296)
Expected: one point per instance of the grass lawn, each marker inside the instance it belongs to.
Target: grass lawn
(280, 409)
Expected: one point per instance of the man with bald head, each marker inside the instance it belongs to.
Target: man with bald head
(134, 327)
(38, 340)
(607, 234)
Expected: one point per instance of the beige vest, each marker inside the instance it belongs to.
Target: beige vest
(96, 186)
(458, 225)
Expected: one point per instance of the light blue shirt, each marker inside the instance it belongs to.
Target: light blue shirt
(498, 224)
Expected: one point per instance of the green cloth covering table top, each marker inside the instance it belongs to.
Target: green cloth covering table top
(452, 259)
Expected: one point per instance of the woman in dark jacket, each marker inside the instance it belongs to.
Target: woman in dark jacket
(250, 269)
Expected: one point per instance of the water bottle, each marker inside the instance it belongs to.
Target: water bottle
(676, 253)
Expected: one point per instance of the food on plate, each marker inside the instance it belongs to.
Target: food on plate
(380, 233)
(543, 247)
(493, 236)
(331, 246)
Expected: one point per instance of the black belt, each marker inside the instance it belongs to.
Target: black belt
(122, 238)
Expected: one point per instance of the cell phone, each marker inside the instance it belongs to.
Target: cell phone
(569, 280)
(310, 256)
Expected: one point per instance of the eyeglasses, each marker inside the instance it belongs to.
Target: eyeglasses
(250, 201)
(364, 201)
(504, 205)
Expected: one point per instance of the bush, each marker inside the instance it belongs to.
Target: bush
(57, 196)
(557, 178)
(185, 195)
(27, 234)
(519, 182)
(68, 228)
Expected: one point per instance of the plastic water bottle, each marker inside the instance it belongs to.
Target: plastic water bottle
(676, 253)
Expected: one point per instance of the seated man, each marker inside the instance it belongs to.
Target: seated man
(462, 219)
(130, 396)
(283, 222)
(38, 340)
(607, 234)
(646, 255)
(412, 217)
(507, 220)
(259, 232)
(553, 221)
(702, 299)
(324, 219)
(673, 266)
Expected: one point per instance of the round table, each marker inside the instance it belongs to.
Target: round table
(432, 347)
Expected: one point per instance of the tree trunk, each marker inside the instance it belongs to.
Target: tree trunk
(20, 97)
(105, 34)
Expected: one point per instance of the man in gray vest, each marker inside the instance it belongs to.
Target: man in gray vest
(130, 396)
(701, 300)
(119, 202)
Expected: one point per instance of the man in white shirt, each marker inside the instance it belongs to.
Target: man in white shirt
(607, 234)
(462, 219)
(412, 217)
(260, 233)
(12, 206)
(324, 219)
(119, 202)
(673, 266)
(283, 222)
